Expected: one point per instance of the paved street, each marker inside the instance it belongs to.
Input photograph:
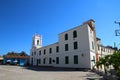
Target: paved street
(8, 72)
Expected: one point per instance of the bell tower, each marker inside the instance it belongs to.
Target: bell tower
(37, 41)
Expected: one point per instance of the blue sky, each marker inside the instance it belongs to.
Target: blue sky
(21, 19)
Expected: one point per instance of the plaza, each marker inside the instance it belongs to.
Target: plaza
(8, 72)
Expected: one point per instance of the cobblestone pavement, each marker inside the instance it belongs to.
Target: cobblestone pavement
(8, 72)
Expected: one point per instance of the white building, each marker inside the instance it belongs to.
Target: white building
(76, 48)
(104, 50)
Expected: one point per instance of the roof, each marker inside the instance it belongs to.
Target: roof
(14, 56)
(90, 23)
(48, 45)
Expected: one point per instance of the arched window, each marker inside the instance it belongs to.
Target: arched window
(74, 34)
(37, 42)
(66, 36)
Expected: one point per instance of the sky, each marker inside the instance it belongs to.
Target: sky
(21, 19)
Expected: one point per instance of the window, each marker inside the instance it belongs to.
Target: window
(76, 59)
(34, 53)
(91, 31)
(50, 50)
(75, 45)
(32, 61)
(74, 34)
(66, 60)
(40, 52)
(92, 45)
(94, 59)
(50, 60)
(66, 36)
(37, 42)
(33, 42)
(57, 60)
(39, 61)
(44, 60)
(104, 49)
(66, 47)
(44, 51)
(98, 47)
(57, 48)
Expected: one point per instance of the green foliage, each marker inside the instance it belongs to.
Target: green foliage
(22, 53)
(113, 60)
(118, 73)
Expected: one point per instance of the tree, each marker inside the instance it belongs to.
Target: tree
(109, 60)
(115, 58)
(115, 61)
(104, 61)
(23, 53)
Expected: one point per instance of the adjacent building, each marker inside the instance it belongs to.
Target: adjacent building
(1, 59)
(103, 50)
(76, 48)
(16, 59)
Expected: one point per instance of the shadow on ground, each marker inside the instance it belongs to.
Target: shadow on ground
(44, 68)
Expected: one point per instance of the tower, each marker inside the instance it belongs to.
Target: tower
(37, 41)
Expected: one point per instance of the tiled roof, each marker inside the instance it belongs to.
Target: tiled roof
(15, 56)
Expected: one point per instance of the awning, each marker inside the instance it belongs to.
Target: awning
(15, 61)
(8, 60)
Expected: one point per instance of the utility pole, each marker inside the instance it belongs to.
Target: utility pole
(117, 31)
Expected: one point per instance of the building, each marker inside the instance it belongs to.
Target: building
(104, 50)
(76, 48)
(1, 60)
(16, 59)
